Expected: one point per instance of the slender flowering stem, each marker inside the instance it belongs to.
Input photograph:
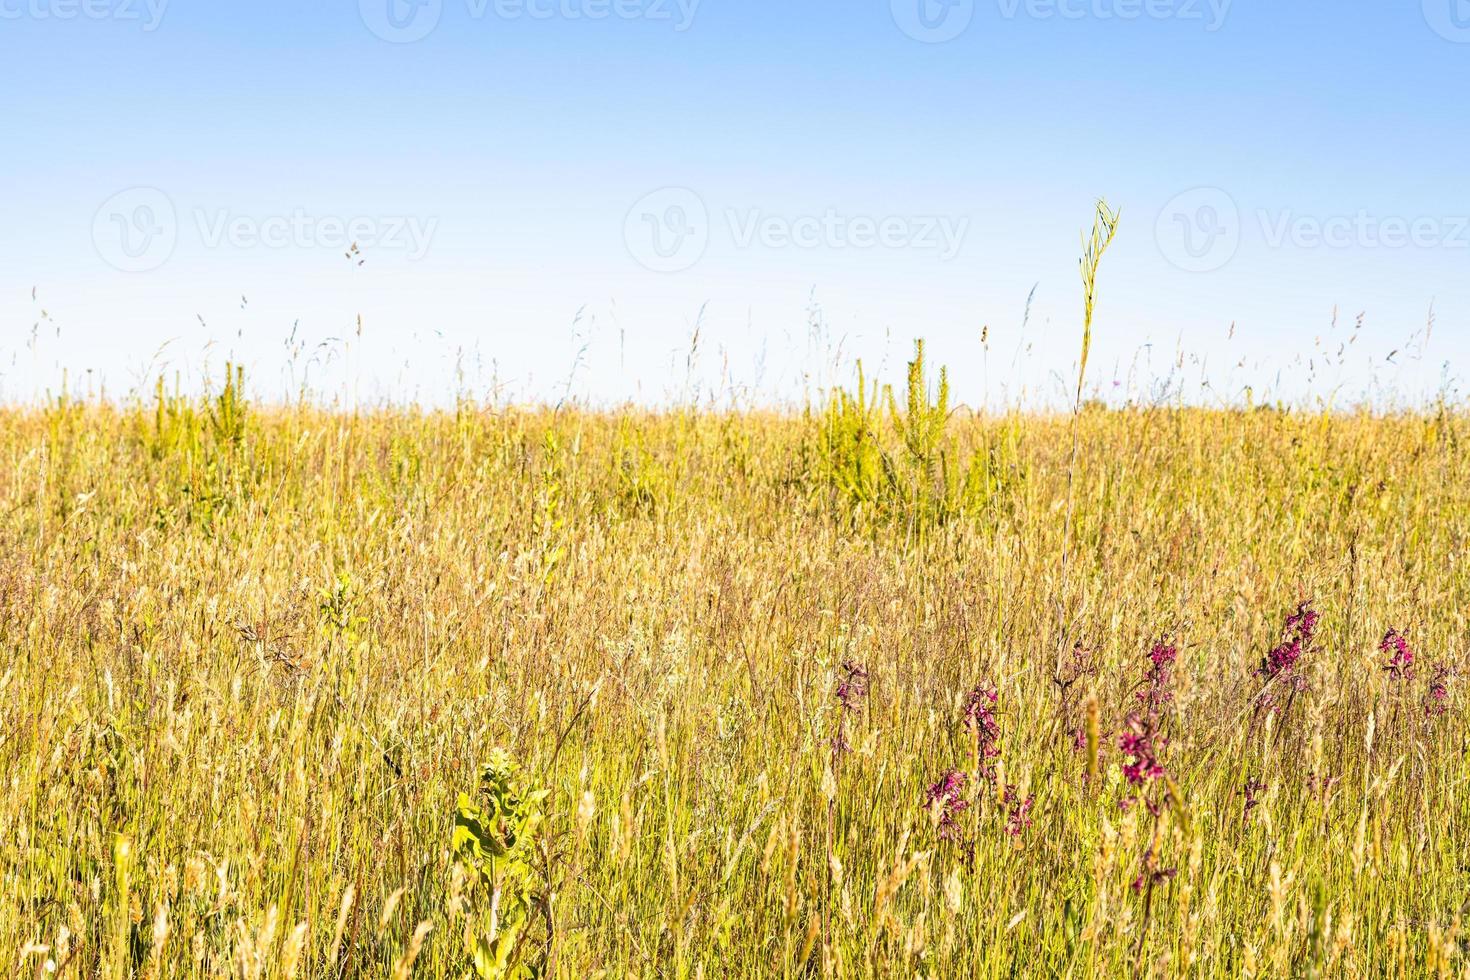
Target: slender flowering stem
(1395, 646)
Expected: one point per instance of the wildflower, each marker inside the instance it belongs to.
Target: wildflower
(1141, 742)
(945, 801)
(1296, 639)
(1253, 789)
(854, 685)
(1157, 876)
(1303, 622)
(1400, 664)
(980, 711)
(1018, 811)
(979, 716)
(1437, 699)
(1156, 693)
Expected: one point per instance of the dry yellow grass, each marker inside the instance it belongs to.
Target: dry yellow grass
(251, 657)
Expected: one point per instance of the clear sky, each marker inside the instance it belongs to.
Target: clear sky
(644, 199)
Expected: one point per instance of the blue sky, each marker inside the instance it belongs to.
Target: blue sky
(571, 196)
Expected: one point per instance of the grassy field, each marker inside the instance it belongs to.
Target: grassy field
(878, 689)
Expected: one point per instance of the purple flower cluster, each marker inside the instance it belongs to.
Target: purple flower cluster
(1079, 739)
(945, 801)
(1401, 666)
(1157, 876)
(979, 716)
(1296, 639)
(854, 685)
(948, 798)
(1156, 693)
(1142, 739)
(1018, 811)
(1437, 700)
(1395, 647)
(1142, 742)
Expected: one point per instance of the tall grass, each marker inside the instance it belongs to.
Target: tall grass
(252, 657)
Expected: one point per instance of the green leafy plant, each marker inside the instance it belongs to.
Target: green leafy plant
(230, 413)
(906, 466)
(852, 461)
(921, 420)
(495, 840)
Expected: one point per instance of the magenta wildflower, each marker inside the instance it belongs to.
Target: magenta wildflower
(1303, 622)
(1156, 693)
(1141, 743)
(1437, 699)
(1296, 639)
(1400, 664)
(1018, 811)
(945, 801)
(1157, 876)
(1142, 738)
(980, 711)
(854, 685)
(979, 716)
